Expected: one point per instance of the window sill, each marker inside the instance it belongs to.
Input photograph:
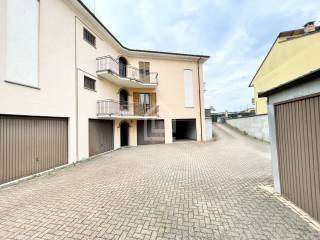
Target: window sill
(22, 85)
(94, 46)
(89, 89)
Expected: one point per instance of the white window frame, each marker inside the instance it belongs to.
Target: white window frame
(188, 88)
(22, 48)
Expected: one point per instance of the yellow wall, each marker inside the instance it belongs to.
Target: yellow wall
(287, 60)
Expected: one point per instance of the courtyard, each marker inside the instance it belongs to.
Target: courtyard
(185, 190)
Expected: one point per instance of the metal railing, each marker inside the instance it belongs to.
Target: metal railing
(110, 107)
(111, 65)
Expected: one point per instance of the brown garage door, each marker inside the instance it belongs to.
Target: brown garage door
(150, 132)
(298, 136)
(100, 136)
(29, 145)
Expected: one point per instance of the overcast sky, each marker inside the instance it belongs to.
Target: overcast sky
(236, 34)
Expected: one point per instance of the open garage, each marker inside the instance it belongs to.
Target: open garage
(184, 129)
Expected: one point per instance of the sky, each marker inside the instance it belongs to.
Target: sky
(237, 34)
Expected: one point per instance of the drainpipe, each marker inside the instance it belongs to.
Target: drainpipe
(200, 105)
(77, 91)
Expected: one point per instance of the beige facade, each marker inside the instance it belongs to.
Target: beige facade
(65, 58)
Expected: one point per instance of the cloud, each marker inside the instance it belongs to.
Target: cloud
(236, 34)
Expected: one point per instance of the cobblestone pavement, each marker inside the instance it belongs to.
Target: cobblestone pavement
(176, 191)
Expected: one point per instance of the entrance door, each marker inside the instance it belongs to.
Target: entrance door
(124, 134)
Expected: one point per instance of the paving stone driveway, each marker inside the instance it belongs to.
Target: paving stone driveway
(176, 191)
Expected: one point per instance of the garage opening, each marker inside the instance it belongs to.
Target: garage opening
(184, 129)
(150, 132)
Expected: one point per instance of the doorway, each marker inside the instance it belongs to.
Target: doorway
(123, 67)
(123, 100)
(124, 134)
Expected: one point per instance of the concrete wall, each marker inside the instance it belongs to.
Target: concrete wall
(256, 126)
(209, 129)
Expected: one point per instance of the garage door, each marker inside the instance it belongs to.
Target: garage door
(100, 136)
(29, 145)
(298, 139)
(150, 132)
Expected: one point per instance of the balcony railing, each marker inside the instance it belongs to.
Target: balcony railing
(110, 107)
(111, 65)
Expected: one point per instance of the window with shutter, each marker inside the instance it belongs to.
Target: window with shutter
(188, 88)
(144, 71)
(89, 37)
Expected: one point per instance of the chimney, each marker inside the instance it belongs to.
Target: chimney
(309, 27)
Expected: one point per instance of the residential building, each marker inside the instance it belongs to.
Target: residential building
(293, 54)
(70, 90)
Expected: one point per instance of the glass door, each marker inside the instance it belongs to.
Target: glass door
(144, 103)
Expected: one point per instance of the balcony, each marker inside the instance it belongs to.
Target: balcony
(108, 68)
(113, 109)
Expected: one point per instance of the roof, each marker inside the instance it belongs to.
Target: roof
(296, 32)
(293, 83)
(205, 57)
(289, 34)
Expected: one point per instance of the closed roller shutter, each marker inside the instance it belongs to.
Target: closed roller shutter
(30, 145)
(150, 132)
(298, 140)
(100, 136)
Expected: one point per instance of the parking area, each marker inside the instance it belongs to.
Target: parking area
(185, 190)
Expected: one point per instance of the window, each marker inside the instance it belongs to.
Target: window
(188, 88)
(22, 42)
(144, 71)
(89, 37)
(89, 83)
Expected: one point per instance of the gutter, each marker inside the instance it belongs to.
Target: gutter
(200, 103)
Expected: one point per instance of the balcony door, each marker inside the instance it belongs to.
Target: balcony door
(123, 67)
(144, 103)
(123, 95)
(144, 72)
